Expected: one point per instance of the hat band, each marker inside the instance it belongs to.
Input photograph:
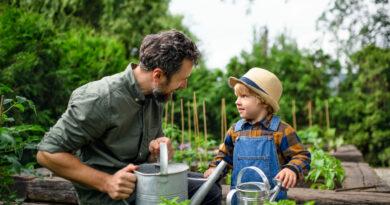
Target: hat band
(251, 83)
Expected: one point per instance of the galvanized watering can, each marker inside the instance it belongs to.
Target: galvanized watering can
(158, 180)
(253, 193)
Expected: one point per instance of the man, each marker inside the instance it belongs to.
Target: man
(115, 123)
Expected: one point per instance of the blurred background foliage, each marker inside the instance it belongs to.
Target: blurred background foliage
(48, 48)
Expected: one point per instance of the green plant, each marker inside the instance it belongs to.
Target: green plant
(287, 202)
(312, 136)
(321, 138)
(15, 138)
(228, 177)
(324, 167)
(173, 201)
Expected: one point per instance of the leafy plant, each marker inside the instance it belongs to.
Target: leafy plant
(325, 171)
(15, 138)
(173, 201)
(321, 138)
(228, 178)
(287, 202)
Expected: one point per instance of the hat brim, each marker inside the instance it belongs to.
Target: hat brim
(232, 81)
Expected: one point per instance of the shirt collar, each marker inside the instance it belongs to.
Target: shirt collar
(134, 88)
(264, 123)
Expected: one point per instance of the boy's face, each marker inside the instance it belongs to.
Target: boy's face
(249, 106)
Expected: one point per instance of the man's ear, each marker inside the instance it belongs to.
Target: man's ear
(157, 74)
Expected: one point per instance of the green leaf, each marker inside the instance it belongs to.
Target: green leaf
(19, 106)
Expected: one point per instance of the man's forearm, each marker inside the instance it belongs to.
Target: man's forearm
(68, 166)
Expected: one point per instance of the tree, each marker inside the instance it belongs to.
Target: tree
(368, 104)
(129, 21)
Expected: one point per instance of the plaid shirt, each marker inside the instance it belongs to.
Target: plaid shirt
(291, 153)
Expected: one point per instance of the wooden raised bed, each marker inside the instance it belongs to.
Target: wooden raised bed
(361, 186)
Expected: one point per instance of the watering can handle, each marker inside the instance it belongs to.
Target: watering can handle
(230, 195)
(163, 159)
(275, 191)
(261, 173)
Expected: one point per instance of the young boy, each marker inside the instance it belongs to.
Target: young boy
(260, 139)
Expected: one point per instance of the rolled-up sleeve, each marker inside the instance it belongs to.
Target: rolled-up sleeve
(85, 120)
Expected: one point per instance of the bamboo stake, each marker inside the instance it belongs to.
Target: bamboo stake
(196, 127)
(189, 122)
(196, 121)
(309, 107)
(182, 120)
(327, 115)
(204, 121)
(224, 117)
(166, 114)
(1, 109)
(172, 111)
(222, 127)
(294, 115)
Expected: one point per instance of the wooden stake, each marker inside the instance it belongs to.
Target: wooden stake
(224, 117)
(294, 115)
(166, 114)
(182, 120)
(172, 111)
(1, 110)
(327, 115)
(189, 121)
(222, 124)
(204, 121)
(196, 121)
(223, 120)
(309, 107)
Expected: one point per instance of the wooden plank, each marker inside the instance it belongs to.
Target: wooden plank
(348, 153)
(363, 176)
(45, 189)
(331, 197)
(53, 189)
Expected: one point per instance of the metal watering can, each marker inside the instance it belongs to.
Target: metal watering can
(253, 193)
(158, 180)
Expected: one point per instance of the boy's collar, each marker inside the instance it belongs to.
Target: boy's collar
(264, 122)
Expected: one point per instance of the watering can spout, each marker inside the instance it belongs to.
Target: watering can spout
(205, 188)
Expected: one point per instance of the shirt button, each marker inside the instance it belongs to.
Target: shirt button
(136, 99)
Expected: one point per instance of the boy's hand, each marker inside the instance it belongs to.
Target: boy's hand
(208, 172)
(287, 177)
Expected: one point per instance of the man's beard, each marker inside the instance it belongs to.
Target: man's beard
(160, 96)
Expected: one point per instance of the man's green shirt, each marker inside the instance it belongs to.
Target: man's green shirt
(109, 123)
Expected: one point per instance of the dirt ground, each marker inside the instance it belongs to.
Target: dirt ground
(383, 173)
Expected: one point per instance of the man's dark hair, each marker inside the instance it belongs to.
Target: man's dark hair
(167, 50)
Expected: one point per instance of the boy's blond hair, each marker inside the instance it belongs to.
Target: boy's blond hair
(241, 89)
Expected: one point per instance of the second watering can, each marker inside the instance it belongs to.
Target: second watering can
(253, 193)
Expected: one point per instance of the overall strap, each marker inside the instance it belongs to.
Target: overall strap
(274, 125)
(238, 126)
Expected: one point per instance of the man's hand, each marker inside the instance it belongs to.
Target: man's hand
(122, 183)
(208, 172)
(287, 177)
(154, 147)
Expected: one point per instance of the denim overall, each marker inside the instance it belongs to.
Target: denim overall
(259, 151)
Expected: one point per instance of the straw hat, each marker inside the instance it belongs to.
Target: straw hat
(264, 83)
